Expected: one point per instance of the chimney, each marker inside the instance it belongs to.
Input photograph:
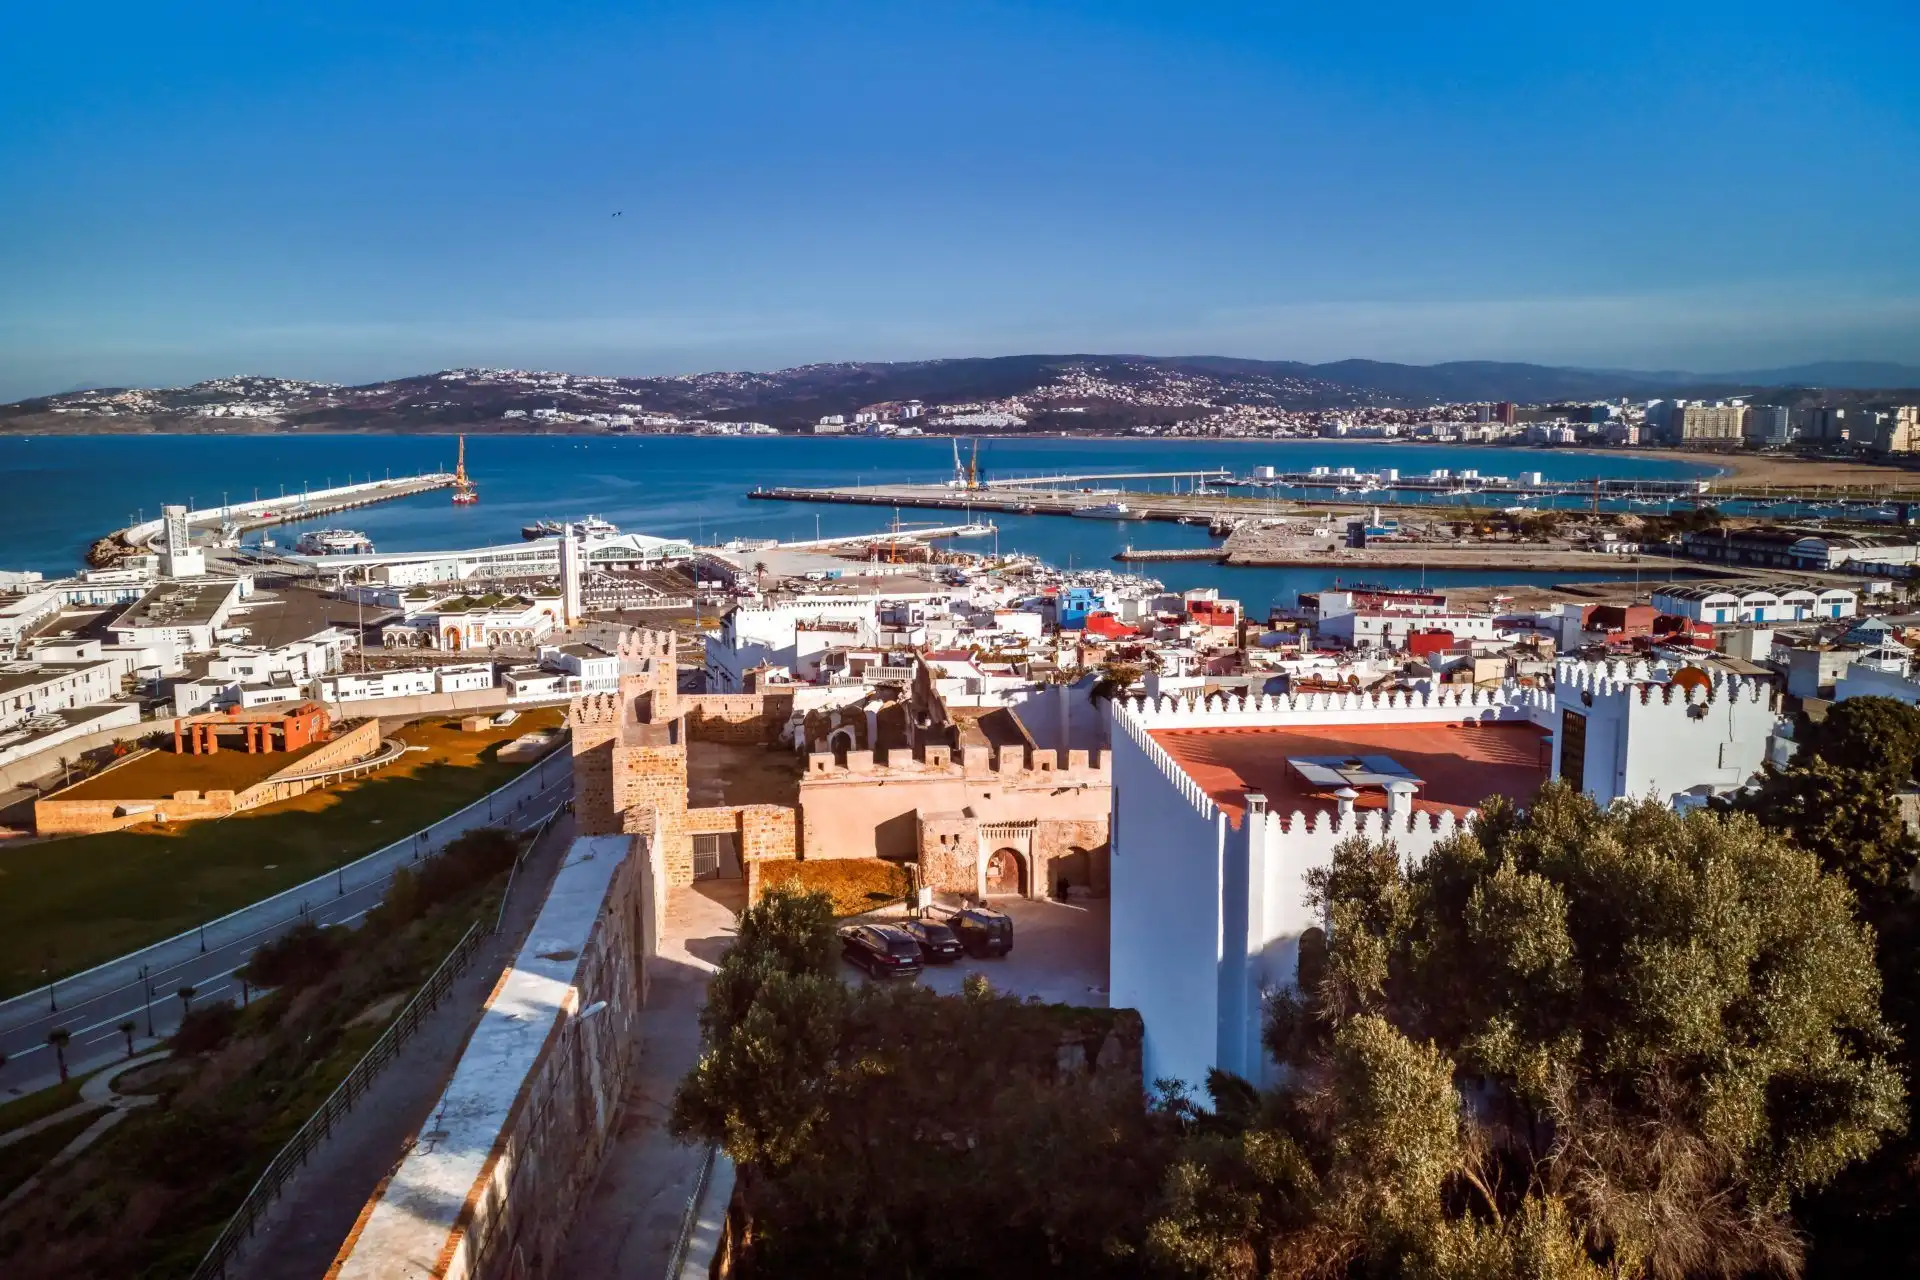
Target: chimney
(1346, 796)
(1399, 802)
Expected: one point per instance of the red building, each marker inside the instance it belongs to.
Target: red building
(274, 729)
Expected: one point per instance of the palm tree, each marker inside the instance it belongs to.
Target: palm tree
(126, 1029)
(760, 573)
(186, 995)
(58, 1038)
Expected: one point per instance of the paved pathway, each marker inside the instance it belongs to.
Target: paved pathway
(92, 1005)
(628, 1224)
(299, 1236)
(95, 1093)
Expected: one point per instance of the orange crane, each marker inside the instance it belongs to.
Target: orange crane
(463, 491)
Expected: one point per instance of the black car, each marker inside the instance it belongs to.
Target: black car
(883, 950)
(937, 943)
(983, 931)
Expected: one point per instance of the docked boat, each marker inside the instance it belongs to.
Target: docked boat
(1105, 511)
(334, 542)
(591, 527)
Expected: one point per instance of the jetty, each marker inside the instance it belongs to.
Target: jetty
(235, 518)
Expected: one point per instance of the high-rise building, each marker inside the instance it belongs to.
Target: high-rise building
(1483, 413)
(1770, 424)
(1708, 422)
(1507, 412)
(1827, 424)
(1896, 430)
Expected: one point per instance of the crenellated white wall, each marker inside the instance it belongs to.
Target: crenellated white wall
(1647, 737)
(1207, 915)
(1165, 877)
(1435, 703)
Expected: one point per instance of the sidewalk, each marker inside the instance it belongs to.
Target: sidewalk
(628, 1223)
(298, 1237)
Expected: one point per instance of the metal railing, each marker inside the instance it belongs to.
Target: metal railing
(690, 1218)
(319, 1126)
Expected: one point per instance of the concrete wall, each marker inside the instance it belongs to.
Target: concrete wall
(518, 1134)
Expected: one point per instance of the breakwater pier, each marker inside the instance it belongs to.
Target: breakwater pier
(235, 518)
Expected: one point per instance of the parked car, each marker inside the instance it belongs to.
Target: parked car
(983, 931)
(938, 945)
(883, 950)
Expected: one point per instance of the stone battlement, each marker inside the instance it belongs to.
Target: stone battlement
(639, 643)
(1032, 766)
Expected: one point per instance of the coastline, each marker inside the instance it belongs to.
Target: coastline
(1742, 467)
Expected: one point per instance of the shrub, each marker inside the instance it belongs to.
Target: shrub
(300, 957)
(468, 860)
(206, 1028)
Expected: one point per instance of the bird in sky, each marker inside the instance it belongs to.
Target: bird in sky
(617, 212)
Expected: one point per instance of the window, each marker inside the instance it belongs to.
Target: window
(1573, 747)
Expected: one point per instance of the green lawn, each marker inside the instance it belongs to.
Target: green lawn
(71, 903)
(25, 1158)
(27, 1108)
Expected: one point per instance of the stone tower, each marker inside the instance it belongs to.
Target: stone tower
(630, 751)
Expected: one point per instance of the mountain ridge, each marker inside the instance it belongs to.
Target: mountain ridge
(1052, 391)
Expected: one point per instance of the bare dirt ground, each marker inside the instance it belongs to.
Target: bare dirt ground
(1784, 469)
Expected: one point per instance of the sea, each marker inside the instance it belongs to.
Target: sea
(58, 493)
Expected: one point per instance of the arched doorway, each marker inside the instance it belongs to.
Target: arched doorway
(1006, 873)
(453, 639)
(840, 741)
(1073, 869)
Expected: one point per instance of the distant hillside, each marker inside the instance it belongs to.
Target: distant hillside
(1088, 392)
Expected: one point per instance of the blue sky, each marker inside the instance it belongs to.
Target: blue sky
(353, 191)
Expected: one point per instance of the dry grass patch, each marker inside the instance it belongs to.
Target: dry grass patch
(856, 885)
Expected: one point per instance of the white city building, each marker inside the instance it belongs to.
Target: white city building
(1756, 602)
(1221, 809)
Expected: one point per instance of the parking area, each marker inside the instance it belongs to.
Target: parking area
(1059, 953)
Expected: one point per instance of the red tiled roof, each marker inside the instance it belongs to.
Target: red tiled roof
(1460, 765)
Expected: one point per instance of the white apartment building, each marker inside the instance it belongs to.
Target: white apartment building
(29, 689)
(791, 634)
(252, 675)
(588, 667)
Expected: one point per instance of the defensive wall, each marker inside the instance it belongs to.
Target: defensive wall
(952, 809)
(56, 816)
(488, 1188)
(737, 717)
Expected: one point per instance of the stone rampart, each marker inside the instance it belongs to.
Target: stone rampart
(737, 717)
(488, 1190)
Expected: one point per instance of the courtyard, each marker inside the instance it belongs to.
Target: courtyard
(1059, 953)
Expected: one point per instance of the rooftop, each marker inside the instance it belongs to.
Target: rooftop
(1460, 765)
(178, 604)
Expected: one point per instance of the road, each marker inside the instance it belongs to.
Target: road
(148, 995)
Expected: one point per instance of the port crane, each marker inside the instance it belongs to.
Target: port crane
(464, 494)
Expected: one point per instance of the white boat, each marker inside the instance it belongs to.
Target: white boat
(334, 542)
(591, 527)
(1105, 511)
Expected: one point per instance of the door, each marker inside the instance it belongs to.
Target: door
(1006, 873)
(716, 857)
